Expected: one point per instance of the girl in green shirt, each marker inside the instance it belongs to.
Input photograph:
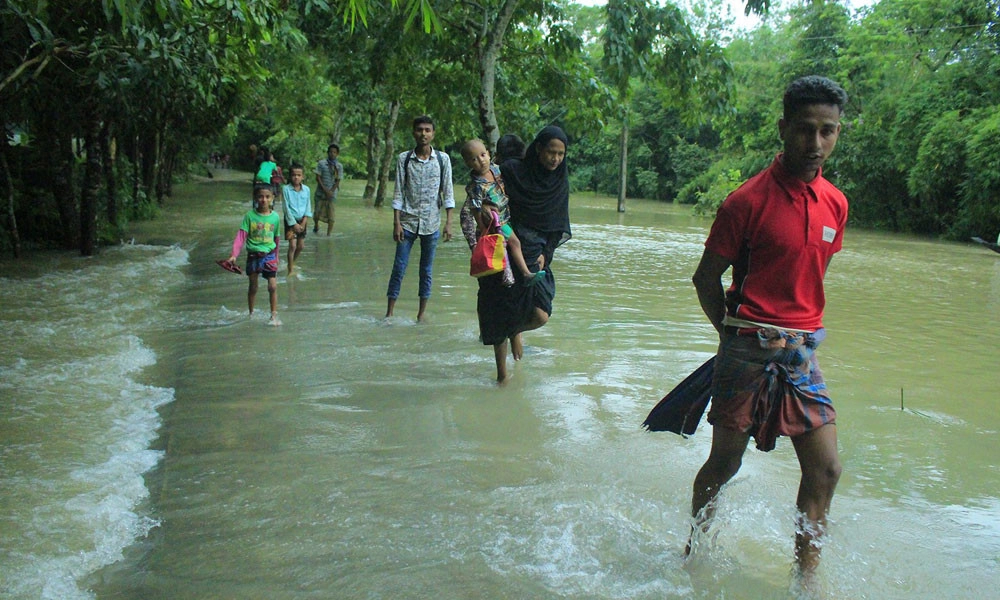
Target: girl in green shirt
(259, 232)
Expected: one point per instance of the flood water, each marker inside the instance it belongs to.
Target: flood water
(156, 443)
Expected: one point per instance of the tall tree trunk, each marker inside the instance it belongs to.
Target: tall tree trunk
(164, 167)
(110, 182)
(387, 153)
(489, 45)
(371, 164)
(136, 176)
(130, 148)
(8, 178)
(91, 186)
(338, 128)
(487, 109)
(148, 158)
(62, 187)
(165, 178)
(623, 165)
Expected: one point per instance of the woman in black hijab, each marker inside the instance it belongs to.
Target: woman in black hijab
(538, 189)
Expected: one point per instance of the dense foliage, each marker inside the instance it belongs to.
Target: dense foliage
(104, 103)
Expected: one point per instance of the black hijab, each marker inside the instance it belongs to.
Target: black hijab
(539, 198)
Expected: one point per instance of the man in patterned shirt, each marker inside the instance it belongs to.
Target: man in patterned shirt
(423, 186)
(328, 174)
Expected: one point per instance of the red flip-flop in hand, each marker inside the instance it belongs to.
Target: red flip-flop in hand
(231, 267)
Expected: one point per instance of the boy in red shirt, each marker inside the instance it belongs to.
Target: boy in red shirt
(778, 232)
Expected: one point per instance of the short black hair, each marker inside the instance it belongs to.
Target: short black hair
(295, 165)
(423, 119)
(510, 146)
(333, 146)
(812, 89)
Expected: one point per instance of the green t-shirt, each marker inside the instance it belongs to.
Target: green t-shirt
(261, 231)
(266, 170)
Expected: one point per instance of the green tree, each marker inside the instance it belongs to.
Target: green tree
(643, 40)
(73, 71)
(917, 70)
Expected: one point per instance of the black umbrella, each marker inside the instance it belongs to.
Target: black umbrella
(681, 409)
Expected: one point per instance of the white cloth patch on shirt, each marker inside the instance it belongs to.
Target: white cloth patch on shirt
(829, 233)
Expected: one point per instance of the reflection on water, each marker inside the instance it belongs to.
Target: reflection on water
(344, 456)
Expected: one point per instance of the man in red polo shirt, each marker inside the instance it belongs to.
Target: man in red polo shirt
(778, 232)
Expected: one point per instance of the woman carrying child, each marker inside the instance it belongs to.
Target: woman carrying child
(538, 190)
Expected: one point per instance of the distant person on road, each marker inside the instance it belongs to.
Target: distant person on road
(297, 213)
(778, 232)
(270, 173)
(423, 187)
(328, 174)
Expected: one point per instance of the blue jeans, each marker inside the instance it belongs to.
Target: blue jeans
(428, 245)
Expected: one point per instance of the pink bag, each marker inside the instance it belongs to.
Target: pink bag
(489, 256)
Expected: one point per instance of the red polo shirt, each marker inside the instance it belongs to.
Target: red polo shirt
(779, 233)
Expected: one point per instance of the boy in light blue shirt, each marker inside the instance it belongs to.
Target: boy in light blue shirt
(297, 213)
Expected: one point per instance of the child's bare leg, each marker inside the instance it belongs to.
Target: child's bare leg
(301, 243)
(292, 253)
(514, 250)
(252, 291)
(272, 296)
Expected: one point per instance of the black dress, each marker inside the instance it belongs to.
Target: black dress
(539, 211)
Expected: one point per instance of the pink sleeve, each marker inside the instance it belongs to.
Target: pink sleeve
(241, 238)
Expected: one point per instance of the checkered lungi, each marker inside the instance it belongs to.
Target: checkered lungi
(769, 383)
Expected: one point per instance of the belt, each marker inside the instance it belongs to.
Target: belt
(729, 329)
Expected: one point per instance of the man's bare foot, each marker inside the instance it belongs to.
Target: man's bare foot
(503, 379)
(274, 321)
(421, 310)
(516, 347)
(805, 584)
